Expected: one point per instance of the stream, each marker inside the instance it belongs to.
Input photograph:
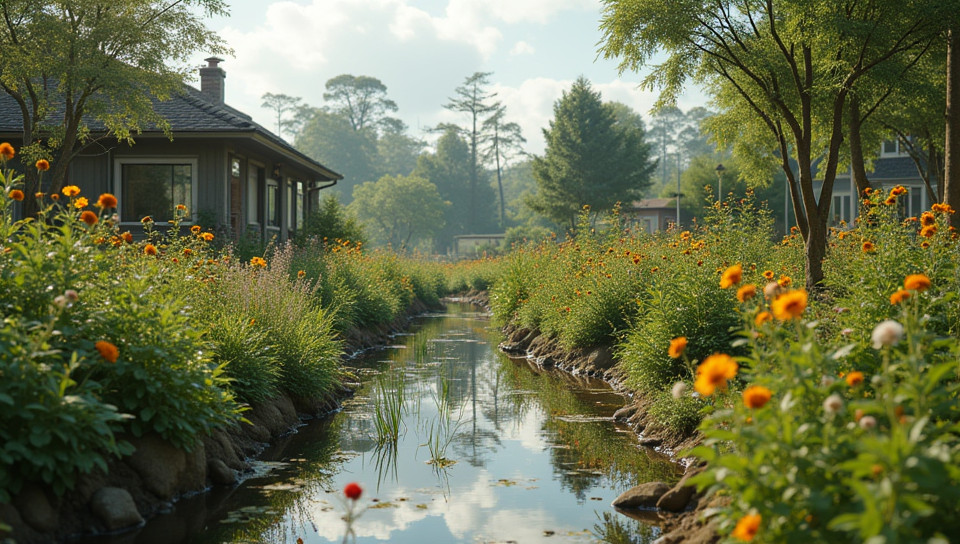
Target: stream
(451, 441)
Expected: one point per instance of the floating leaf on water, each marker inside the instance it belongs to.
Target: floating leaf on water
(421, 506)
(384, 505)
(505, 483)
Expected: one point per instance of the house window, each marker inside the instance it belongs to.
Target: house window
(840, 210)
(154, 187)
(254, 175)
(273, 203)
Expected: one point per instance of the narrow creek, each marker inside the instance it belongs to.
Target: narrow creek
(488, 449)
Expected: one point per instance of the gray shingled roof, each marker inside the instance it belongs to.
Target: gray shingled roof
(190, 112)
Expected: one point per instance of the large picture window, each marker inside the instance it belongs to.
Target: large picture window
(154, 188)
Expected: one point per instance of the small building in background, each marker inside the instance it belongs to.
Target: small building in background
(650, 214)
(473, 245)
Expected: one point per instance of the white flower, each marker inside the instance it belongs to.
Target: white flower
(60, 301)
(887, 333)
(833, 404)
(679, 389)
(868, 422)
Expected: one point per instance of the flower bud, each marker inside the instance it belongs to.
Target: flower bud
(886, 334)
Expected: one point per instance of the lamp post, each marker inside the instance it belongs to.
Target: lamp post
(720, 169)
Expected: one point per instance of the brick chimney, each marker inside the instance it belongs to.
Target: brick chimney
(211, 80)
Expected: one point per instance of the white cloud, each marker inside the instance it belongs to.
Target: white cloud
(522, 48)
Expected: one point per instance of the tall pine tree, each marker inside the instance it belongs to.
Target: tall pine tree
(590, 159)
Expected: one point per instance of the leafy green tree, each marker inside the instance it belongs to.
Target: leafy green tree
(589, 159)
(399, 210)
(362, 100)
(397, 151)
(281, 104)
(329, 138)
(76, 66)
(331, 221)
(502, 141)
(781, 72)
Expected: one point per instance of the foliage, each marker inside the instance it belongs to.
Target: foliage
(331, 221)
(590, 160)
(330, 139)
(281, 104)
(399, 210)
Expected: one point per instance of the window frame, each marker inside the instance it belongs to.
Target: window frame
(120, 162)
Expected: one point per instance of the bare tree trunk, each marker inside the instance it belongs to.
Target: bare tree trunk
(951, 174)
(856, 148)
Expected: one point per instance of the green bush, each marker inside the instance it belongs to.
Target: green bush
(245, 353)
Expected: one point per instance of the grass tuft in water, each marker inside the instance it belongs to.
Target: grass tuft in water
(389, 396)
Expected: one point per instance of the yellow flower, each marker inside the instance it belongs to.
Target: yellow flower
(108, 351)
(71, 190)
(207, 236)
(762, 318)
(854, 378)
(916, 282)
(301, 273)
(789, 305)
(80, 203)
(746, 292)
(195, 229)
(768, 274)
(89, 218)
(756, 396)
(747, 527)
(677, 346)
(107, 200)
(42, 165)
(150, 249)
(928, 232)
(6, 151)
(714, 372)
(731, 276)
(258, 262)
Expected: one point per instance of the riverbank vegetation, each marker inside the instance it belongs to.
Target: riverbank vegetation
(827, 418)
(106, 336)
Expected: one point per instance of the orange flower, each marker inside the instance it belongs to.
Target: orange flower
(71, 190)
(258, 262)
(924, 244)
(928, 232)
(108, 351)
(16, 194)
(54, 197)
(107, 200)
(789, 305)
(80, 203)
(942, 208)
(677, 346)
(898, 190)
(714, 372)
(756, 396)
(150, 249)
(927, 219)
(746, 292)
(899, 296)
(868, 247)
(42, 165)
(784, 281)
(181, 208)
(207, 236)
(146, 219)
(762, 318)
(188, 252)
(127, 237)
(6, 151)
(195, 229)
(854, 378)
(89, 218)
(731, 276)
(916, 282)
(890, 200)
(301, 273)
(768, 274)
(747, 527)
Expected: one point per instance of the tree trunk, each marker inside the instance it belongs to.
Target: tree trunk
(951, 175)
(856, 148)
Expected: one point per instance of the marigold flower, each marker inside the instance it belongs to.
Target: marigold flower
(731, 276)
(890, 200)
(899, 296)
(789, 305)
(768, 274)
(887, 333)
(16, 194)
(898, 190)
(677, 346)
(756, 396)
(301, 273)
(928, 232)
(150, 249)
(80, 203)
(868, 247)
(108, 351)
(39, 195)
(207, 236)
(146, 219)
(854, 378)
(54, 197)
(181, 208)
(714, 372)
(127, 237)
(195, 229)
(107, 200)
(784, 281)
(746, 292)
(353, 491)
(188, 252)
(71, 191)
(762, 318)
(927, 219)
(258, 262)
(942, 208)
(747, 527)
(89, 218)
(42, 165)
(6, 151)
(916, 282)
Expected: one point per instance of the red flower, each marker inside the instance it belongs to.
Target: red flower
(353, 491)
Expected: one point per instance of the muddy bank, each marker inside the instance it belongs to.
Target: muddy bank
(678, 510)
(157, 474)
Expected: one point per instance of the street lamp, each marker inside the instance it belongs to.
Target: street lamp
(720, 169)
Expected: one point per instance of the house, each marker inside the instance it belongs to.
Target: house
(892, 167)
(230, 172)
(651, 214)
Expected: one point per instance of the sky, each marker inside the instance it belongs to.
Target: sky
(422, 50)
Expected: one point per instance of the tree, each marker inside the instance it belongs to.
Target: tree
(331, 221)
(362, 100)
(449, 170)
(281, 104)
(329, 138)
(502, 142)
(86, 70)
(473, 99)
(397, 152)
(399, 210)
(589, 159)
(781, 72)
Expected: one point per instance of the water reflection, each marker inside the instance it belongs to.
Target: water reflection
(488, 449)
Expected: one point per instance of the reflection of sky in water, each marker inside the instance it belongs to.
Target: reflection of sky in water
(534, 462)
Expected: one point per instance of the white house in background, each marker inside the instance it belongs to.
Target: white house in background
(893, 167)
